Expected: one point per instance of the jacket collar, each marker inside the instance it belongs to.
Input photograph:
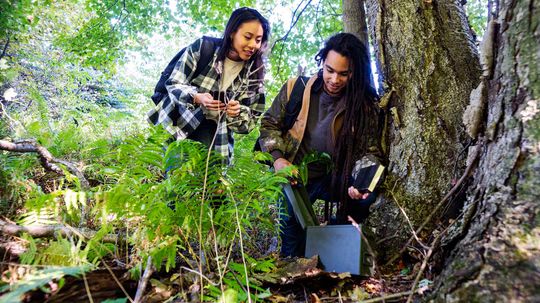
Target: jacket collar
(318, 84)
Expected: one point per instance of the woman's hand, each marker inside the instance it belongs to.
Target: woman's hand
(233, 108)
(206, 100)
(356, 195)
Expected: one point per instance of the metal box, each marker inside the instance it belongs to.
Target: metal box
(340, 249)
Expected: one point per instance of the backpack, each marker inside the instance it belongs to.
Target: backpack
(295, 92)
(208, 47)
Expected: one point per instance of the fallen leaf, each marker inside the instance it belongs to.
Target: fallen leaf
(314, 298)
(359, 294)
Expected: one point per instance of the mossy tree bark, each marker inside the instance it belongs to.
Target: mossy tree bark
(495, 247)
(426, 55)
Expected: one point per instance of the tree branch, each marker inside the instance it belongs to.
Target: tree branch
(293, 23)
(50, 231)
(47, 159)
(5, 48)
(144, 280)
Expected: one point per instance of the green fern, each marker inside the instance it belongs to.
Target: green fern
(38, 278)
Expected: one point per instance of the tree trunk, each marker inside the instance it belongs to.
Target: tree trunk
(354, 22)
(426, 55)
(354, 19)
(495, 247)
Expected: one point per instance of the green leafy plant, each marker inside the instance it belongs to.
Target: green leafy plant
(36, 279)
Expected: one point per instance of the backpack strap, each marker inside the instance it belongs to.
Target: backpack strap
(295, 92)
(208, 48)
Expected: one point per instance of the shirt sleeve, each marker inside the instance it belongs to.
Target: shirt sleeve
(181, 91)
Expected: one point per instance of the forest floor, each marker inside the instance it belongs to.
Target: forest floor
(292, 280)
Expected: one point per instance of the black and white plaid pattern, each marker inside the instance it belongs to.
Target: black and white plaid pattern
(180, 117)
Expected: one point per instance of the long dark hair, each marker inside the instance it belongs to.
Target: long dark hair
(360, 117)
(238, 17)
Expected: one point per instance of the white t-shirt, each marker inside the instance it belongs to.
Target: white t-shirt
(231, 69)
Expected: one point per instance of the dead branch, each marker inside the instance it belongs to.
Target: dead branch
(48, 161)
(293, 23)
(389, 297)
(5, 47)
(54, 231)
(424, 264)
(144, 280)
(368, 246)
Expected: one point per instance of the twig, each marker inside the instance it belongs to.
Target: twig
(424, 264)
(144, 280)
(47, 159)
(368, 246)
(5, 48)
(465, 175)
(241, 245)
(408, 221)
(384, 298)
(199, 274)
(117, 282)
(88, 293)
(284, 37)
(293, 23)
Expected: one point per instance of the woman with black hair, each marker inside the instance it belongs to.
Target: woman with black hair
(339, 117)
(227, 95)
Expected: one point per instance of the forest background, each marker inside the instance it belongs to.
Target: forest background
(82, 183)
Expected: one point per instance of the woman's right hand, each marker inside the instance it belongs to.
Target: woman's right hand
(206, 100)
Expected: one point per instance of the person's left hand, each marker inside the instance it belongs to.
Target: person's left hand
(233, 108)
(356, 195)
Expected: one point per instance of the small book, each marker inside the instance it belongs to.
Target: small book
(367, 178)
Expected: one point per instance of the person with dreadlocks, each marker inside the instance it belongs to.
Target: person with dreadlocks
(339, 117)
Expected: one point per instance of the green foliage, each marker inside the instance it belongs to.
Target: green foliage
(16, 16)
(193, 200)
(95, 44)
(321, 19)
(175, 202)
(477, 14)
(38, 278)
(321, 159)
(235, 282)
(16, 188)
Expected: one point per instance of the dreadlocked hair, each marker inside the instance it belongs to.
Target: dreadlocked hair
(360, 117)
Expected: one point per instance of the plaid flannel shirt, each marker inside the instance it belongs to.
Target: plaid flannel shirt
(177, 113)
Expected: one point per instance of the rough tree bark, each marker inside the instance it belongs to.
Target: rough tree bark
(354, 22)
(426, 56)
(495, 246)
